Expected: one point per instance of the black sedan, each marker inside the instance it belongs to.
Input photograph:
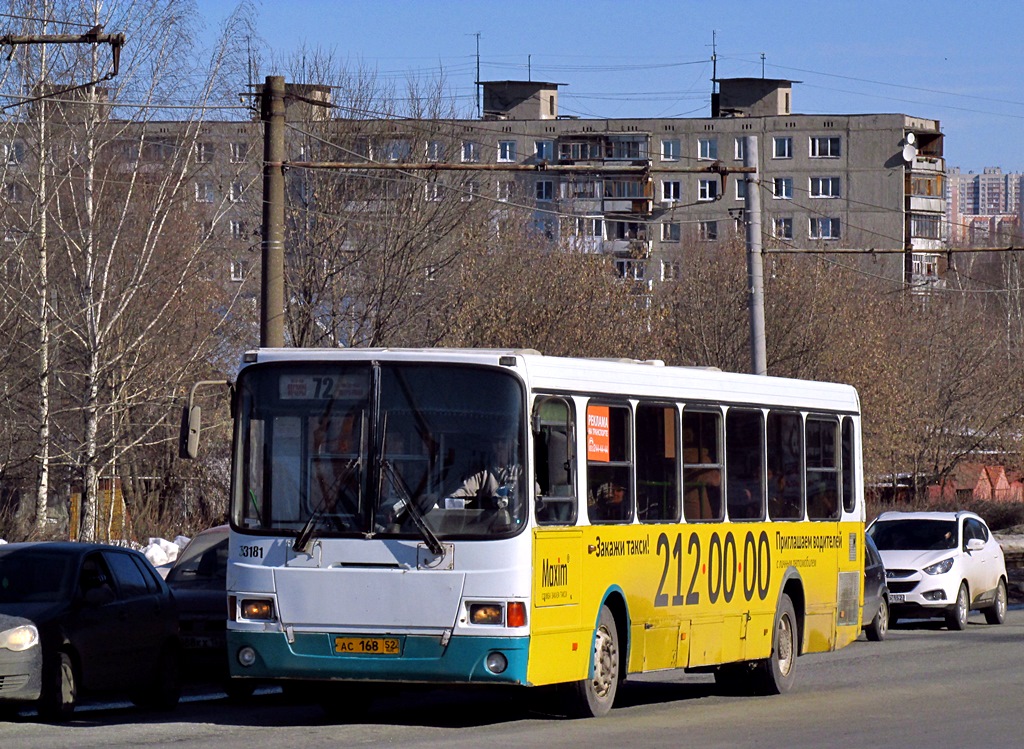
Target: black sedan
(198, 579)
(875, 616)
(106, 623)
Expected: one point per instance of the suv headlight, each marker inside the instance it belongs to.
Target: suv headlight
(940, 568)
(20, 638)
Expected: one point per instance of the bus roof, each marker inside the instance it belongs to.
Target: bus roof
(622, 377)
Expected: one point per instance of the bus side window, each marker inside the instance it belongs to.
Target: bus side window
(822, 469)
(609, 464)
(744, 458)
(553, 462)
(657, 463)
(702, 465)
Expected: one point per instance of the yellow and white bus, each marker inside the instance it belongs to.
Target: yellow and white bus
(503, 517)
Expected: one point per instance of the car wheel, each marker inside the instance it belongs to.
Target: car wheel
(879, 626)
(956, 617)
(996, 613)
(594, 697)
(164, 689)
(60, 689)
(776, 674)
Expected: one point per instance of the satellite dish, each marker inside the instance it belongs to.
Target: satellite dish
(910, 139)
(909, 153)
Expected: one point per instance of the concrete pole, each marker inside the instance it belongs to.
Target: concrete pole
(755, 267)
(272, 288)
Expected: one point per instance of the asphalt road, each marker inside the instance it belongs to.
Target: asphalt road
(922, 687)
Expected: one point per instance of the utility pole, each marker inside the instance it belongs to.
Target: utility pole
(755, 265)
(272, 256)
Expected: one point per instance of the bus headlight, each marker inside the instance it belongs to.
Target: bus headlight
(257, 608)
(486, 613)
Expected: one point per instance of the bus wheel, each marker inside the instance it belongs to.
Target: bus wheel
(775, 674)
(593, 697)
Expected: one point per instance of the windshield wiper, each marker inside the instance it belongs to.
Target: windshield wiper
(306, 534)
(399, 485)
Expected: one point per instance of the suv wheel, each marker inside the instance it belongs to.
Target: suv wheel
(956, 617)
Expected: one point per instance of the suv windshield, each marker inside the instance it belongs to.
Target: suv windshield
(914, 535)
(338, 448)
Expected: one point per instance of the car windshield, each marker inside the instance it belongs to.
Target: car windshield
(914, 535)
(205, 558)
(31, 576)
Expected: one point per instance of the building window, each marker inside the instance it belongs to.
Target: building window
(204, 192)
(671, 190)
(13, 192)
(740, 149)
(581, 188)
(506, 150)
(545, 189)
(825, 147)
(825, 187)
(623, 188)
(634, 270)
(707, 148)
(432, 192)
(470, 151)
(670, 150)
(824, 228)
(14, 153)
(435, 150)
(544, 149)
(741, 188)
(470, 190)
(237, 193)
(783, 148)
(237, 229)
(671, 270)
(707, 189)
(707, 230)
(239, 151)
(580, 151)
(626, 149)
(925, 226)
(670, 232)
(782, 188)
(395, 150)
(588, 226)
(204, 153)
(505, 190)
(238, 268)
(782, 227)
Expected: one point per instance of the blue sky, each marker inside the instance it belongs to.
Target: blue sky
(960, 63)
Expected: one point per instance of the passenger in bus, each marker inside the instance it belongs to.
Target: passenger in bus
(609, 503)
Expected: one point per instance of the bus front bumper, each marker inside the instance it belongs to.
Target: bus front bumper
(463, 660)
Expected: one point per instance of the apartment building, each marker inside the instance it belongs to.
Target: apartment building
(984, 208)
(632, 189)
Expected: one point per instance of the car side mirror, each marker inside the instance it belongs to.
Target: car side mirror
(975, 544)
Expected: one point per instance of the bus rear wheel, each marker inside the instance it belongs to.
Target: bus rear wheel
(594, 697)
(776, 674)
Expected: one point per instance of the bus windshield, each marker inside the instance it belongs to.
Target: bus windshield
(336, 448)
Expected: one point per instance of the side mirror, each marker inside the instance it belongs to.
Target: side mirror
(191, 418)
(975, 544)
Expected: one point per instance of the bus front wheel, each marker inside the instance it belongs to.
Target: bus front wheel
(594, 697)
(776, 674)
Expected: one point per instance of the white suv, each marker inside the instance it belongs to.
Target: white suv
(941, 563)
